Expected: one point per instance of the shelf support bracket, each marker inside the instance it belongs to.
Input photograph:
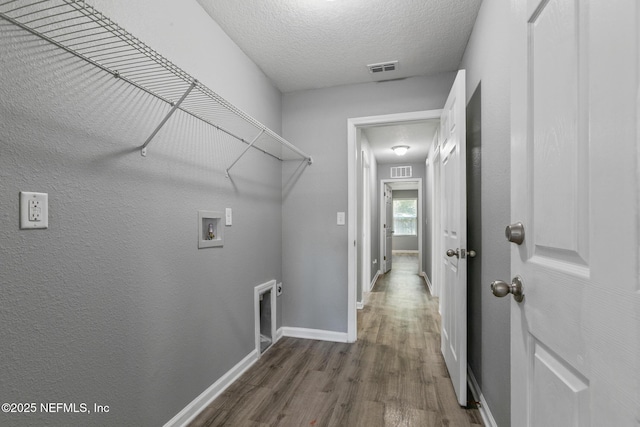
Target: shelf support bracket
(243, 153)
(174, 107)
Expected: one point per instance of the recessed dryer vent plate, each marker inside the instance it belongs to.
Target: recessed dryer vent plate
(210, 229)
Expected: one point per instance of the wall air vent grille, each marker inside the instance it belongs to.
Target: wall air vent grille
(401, 172)
(383, 67)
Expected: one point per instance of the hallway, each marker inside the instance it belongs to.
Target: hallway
(394, 375)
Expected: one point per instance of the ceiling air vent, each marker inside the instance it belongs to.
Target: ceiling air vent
(401, 172)
(383, 67)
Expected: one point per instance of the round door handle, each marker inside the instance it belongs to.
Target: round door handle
(515, 233)
(451, 253)
(502, 289)
(471, 254)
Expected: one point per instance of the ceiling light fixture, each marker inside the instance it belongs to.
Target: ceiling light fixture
(400, 150)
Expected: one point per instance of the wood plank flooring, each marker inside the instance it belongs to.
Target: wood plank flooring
(394, 375)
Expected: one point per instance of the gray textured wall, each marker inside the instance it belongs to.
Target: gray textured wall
(487, 63)
(405, 243)
(315, 248)
(405, 194)
(114, 303)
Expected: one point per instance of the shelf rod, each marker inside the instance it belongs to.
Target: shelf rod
(245, 150)
(143, 149)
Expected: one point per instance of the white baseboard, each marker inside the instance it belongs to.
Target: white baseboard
(426, 279)
(190, 411)
(485, 412)
(279, 334)
(373, 282)
(314, 334)
(360, 305)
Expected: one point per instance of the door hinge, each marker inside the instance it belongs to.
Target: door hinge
(354, 243)
(385, 257)
(384, 226)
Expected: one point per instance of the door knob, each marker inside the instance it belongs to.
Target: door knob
(515, 233)
(472, 253)
(451, 252)
(502, 289)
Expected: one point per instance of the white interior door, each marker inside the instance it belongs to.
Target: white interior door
(454, 236)
(388, 227)
(575, 337)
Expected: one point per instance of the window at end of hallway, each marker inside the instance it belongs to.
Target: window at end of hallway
(405, 217)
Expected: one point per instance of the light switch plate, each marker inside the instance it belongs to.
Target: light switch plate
(228, 215)
(341, 218)
(34, 210)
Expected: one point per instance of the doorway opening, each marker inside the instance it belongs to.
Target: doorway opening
(401, 224)
(365, 238)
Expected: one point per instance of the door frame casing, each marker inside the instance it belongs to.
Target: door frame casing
(382, 241)
(366, 226)
(432, 170)
(381, 206)
(352, 200)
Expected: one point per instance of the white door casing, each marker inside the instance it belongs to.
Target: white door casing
(417, 182)
(387, 228)
(352, 189)
(366, 223)
(575, 357)
(436, 227)
(454, 236)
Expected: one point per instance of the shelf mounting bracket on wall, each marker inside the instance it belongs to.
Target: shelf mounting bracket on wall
(253, 141)
(174, 107)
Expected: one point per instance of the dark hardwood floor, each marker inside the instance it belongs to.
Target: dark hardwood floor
(394, 375)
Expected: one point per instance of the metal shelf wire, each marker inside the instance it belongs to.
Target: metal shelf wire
(83, 31)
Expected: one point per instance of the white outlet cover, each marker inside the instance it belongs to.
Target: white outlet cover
(39, 203)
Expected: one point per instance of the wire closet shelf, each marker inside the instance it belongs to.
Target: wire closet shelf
(83, 31)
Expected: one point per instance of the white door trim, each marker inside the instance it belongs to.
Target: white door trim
(382, 214)
(352, 201)
(257, 291)
(385, 249)
(433, 168)
(366, 228)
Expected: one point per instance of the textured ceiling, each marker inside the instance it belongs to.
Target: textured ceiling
(306, 44)
(418, 136)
